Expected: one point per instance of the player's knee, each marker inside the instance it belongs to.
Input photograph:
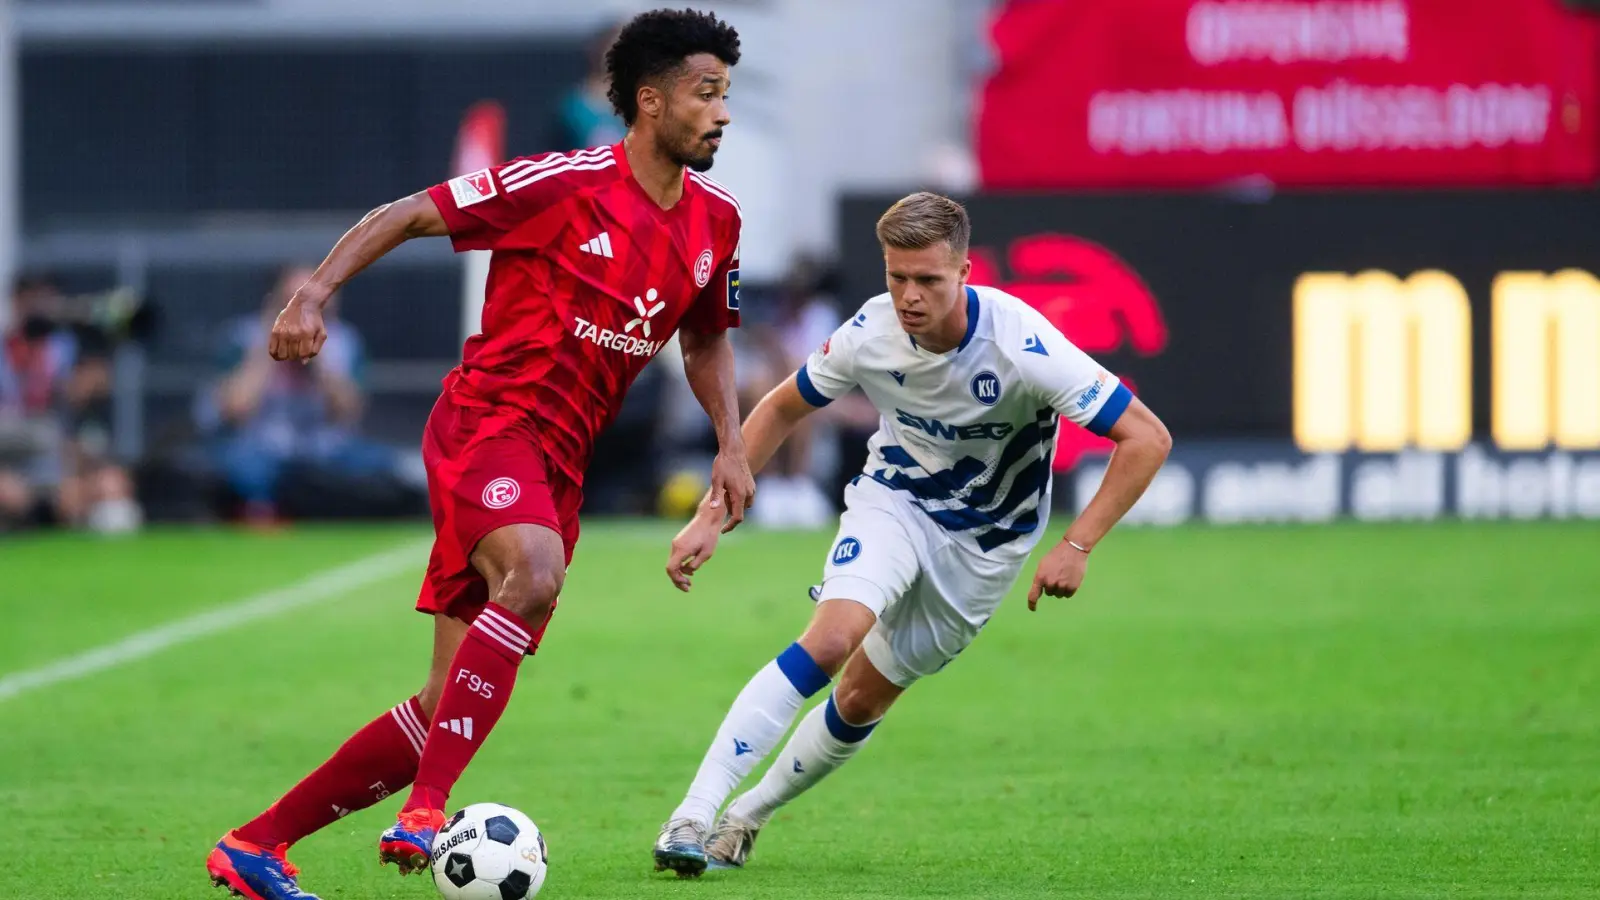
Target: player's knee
(857, 704)
(530, 593)
(524, 567)
(830, 648)
(836, 630)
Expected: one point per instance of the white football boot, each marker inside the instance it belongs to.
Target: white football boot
(731, 842)
(681, 847)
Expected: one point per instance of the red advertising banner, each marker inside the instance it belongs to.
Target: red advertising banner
(1179, 93)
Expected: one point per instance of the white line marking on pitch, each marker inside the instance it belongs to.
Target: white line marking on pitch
(322, 586)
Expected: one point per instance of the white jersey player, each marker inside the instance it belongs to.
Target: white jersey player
(970, 383)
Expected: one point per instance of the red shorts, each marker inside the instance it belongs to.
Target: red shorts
(486, 469)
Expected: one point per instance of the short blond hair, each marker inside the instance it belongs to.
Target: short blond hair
(923, 220)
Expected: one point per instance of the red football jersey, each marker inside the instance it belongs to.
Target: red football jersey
(588, 280)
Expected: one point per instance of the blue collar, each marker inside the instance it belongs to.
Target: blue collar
(972, 318)
(972, 321)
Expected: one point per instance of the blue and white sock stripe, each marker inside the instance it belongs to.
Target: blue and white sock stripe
(844, 731)
(802, 671)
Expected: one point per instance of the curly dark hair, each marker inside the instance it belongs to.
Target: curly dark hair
(656, 43)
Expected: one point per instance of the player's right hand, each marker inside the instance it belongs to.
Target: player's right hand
(1060, 573)
(298, 332)
(731, 479)
(692, 548)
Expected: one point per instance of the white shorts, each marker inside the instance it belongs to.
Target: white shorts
(930, 594)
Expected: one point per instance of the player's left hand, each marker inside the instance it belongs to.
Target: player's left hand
(692, 548)
(1060, 574)
(732, 483)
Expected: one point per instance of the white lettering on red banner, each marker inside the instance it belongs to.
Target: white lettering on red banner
(1340, 117)
(1138, 122)
(1346, 116)
(1194, 93)
(1279, 31)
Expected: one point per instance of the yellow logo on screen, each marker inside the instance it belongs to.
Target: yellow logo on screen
(1383, 363)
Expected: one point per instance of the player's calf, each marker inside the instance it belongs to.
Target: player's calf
(761, 714)
(523, 565)
(764, 709)
(827, 738)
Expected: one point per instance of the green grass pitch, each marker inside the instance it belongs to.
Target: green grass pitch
(1347, 711)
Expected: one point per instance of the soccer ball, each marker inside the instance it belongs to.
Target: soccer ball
(489, 852)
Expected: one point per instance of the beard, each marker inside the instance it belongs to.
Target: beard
(690, 150)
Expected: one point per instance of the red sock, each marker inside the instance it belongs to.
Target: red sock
(475, 694)
(374, 763)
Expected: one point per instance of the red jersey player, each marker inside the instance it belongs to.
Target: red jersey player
(599, 257)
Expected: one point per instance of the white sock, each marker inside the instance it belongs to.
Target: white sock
(822, 743)
(759, 717)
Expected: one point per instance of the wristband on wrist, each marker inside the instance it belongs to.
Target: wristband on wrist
(1077, 546)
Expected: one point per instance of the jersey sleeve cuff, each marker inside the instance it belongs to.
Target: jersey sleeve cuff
(802, 380)
(1110, 411)
(459, 224)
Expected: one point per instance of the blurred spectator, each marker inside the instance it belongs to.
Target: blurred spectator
(584, 118)
(267, 422)
(55, 387)
(804, 312)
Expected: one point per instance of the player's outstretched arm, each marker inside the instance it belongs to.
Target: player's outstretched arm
(764, 431)
(298, 332)
(708, 364)
(1142, 446)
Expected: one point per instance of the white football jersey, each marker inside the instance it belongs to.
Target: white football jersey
(968, 435)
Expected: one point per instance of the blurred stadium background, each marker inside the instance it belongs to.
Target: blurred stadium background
(1349, 250)
(1345, 248)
